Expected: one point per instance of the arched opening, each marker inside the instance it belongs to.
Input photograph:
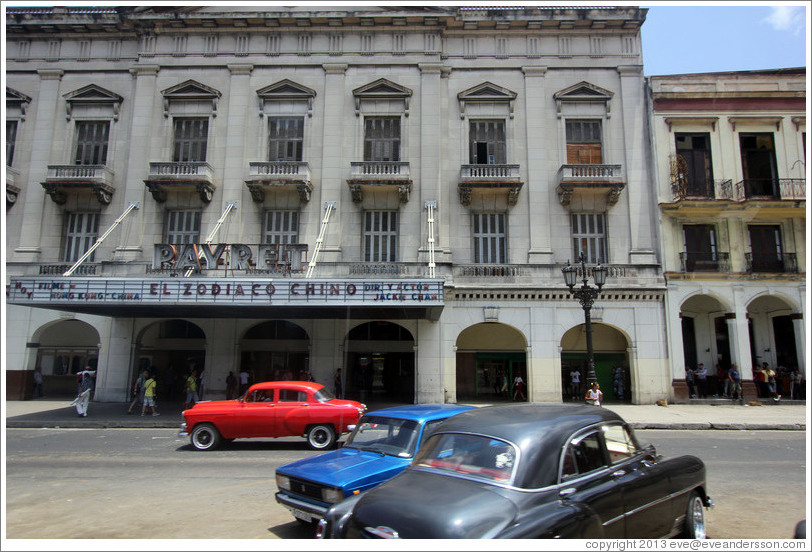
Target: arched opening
(380, 363)
(65, 348)
(171, 349)
(706, 339)
(611, 363)
(489, 358)
(276, 350)
(772, 340)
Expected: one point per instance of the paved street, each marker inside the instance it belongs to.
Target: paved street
(147, 483)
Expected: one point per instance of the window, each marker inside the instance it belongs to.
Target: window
(182, 227)
(291, 395)
(382, 139)
(490, 238)
(765, 248)
(584, 142)
(80, 235)
(11, 140)
(701, 252)
(286, 136)
(758, 165)
(619, 443)
(694, 149)
(583, 455)
(487, 143)
(191, 139)
(380, 236)
(91, 142)
(589, 236)
(280, 227)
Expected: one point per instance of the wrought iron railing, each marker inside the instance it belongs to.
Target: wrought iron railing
(488, 270)
(718, 261)
(86, 269)
(778, 263)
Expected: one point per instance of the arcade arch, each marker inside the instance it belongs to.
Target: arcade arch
(706, 338)
(612, 368)
(65, 348)
(773, 337)
(275, 350)
(489, 356)
(170, 349)
(380, 363)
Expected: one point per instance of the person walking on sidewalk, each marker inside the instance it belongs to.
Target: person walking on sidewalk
(594, 396)
(37, 391)
(702, 381)
(689, 380)
(138, 391)
(149, 396)
(191, 390)
(82, 400)
(770, 382)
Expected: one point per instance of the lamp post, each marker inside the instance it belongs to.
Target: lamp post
(586, 295)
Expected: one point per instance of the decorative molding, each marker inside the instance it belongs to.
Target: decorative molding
(703, 121)
(755, 120)
(382, 89)
(583, 92)
(92, 94)
(286, 90)
(190, 90)
(17, 99)
(487, 92)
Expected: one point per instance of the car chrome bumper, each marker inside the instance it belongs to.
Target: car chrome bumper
(300, 509)
(182, 432)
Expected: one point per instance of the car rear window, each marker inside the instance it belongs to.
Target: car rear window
(476, 456)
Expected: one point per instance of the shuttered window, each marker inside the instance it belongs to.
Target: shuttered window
(490, 238)
(382, 139)
(280, 227)
(380, 236)
(589, 236)
(80, 235)
(286, 138)
(584, 142)
(91, 143)
(487, 143)
(182, 227)
(191, 140)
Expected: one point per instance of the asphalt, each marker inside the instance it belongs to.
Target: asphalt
(710, 415)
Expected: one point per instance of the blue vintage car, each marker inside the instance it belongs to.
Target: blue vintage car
(381, 446)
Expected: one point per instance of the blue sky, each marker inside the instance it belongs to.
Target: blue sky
(691, 38)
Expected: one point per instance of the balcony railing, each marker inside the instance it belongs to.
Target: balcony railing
(488, 270)
(572, 178)
(489, 173)
(769, 189)
(396, 174)
(708, 190)
(695, 262)
(180, 176)
(486, 178)
(62, 179)
(84, 269)
(262, 175)
(777, 263)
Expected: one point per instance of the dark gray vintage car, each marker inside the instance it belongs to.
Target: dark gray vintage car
(531, 471)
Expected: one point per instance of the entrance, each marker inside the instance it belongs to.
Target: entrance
(379, 364)
(489, 357)
(611, 363)
(65, 349)
(276, 350)
(171, 350)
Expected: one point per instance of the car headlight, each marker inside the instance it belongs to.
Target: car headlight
(283, 482)
(331, 495)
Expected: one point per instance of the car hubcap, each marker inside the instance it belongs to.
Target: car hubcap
(203, 438)
(698, 519)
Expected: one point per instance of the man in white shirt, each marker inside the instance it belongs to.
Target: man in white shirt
(575, 378)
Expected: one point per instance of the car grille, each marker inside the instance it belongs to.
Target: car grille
(306, 488)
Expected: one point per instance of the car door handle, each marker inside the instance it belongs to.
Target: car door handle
(619, 473)
(566, 492)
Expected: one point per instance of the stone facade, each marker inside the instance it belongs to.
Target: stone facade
(399, 147)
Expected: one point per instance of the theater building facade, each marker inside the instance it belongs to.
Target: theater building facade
(392, 192)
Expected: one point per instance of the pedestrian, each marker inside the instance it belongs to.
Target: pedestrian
(337, 384)
(82, 399)
(504, 388)
(37, 391)
(138, 390)
(735, 381)
(689, 380)
(231, 386)
(200, 384)
(797, 384)
(760, 378)
(769, 376)
(243, 382)
(722, 383)
(518, 387)
(702, 381)
(575, 383)
(594, 396)
(149, 395)
(191, 390)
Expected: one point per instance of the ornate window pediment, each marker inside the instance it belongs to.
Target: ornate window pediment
(286, 90)
(487, 92)
(583, 92)
(17, 100)
(382, 89)
(92, 95)
(191, 91)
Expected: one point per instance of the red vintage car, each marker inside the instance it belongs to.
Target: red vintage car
(272, 409)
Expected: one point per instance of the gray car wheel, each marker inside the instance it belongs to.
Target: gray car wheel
(205, 437)
(321, 436)
(695, 518)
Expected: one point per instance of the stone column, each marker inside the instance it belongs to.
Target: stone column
(541, 194)
(639, 184)
(336, 135)
(800, 340)
(427, 181)
(142, 132)
(235, 164)
(34, 208)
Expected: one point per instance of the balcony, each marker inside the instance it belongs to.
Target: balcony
(776, 263)
(197, 176)
(485, 179)
(377, 176)
(12, 190)
(279, 175)
(62, 180)
(573, 179)
(84, 269)
(716, 262)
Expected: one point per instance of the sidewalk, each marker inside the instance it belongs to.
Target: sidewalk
(45, 413)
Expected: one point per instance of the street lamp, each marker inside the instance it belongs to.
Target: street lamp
(586, 295)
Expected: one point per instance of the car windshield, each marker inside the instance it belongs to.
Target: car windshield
(471, 455)
(391, 436)
(324, 395)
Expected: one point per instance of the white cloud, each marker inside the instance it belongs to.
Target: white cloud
(787, 18)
